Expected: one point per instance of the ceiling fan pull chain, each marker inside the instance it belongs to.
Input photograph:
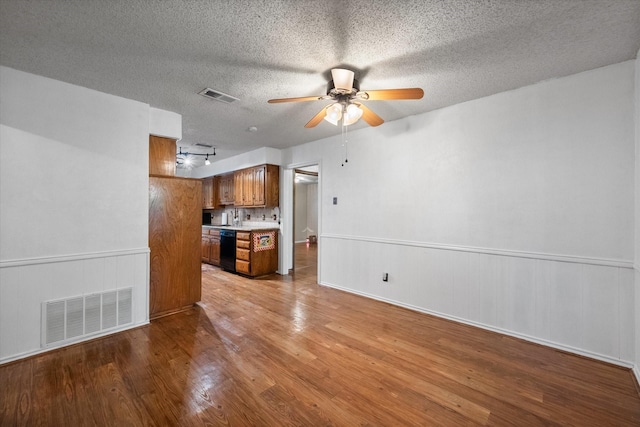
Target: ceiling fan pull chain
(345, 139)
(346, 144)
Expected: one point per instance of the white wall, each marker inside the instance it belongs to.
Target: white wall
(312, 209)
(260, 156)
(512, 212)
(300, 212)
(306, 211)
(165, 123)
(637, 223)
(73, 201)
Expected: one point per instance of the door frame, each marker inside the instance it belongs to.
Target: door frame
(287, 215)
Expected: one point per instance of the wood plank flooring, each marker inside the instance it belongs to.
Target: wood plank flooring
(282, 350)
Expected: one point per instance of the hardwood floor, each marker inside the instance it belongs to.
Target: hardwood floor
(282, 350)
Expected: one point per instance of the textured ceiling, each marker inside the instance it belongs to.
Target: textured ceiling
(163, 52)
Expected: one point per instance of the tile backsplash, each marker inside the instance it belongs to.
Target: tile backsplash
(248, 216)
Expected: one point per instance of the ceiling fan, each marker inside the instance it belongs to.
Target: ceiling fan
(345, 91)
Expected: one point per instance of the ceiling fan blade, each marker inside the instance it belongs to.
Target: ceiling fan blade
(385, 94)
(317, 118)
(304, 98)
(370, 117)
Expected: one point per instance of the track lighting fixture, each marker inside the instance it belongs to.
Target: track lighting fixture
(183, 157)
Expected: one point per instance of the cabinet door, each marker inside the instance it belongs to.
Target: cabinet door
(225, 190)
(207, 193)
(247, 192)
(238, 198)
(206, 248)
(214, 257)
(215, 192)
(258, 185)
(271, 186)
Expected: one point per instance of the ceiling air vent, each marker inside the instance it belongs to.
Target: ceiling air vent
(218, 96)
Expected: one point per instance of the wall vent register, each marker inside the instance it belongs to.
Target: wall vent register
(81, 316)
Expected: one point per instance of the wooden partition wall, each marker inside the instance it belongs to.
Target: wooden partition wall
(175, 221)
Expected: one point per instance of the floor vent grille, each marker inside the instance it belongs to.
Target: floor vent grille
(77, 317)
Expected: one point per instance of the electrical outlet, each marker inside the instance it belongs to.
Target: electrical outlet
(335, 200)
(385, 277)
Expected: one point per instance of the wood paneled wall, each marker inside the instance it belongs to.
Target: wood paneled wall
(29, 282)
(175, 208)
(572, 304)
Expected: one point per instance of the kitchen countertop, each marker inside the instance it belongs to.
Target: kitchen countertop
(243, 227)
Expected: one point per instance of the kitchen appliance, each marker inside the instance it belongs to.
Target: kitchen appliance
(206, 218)
(228, 250)
(225, 219)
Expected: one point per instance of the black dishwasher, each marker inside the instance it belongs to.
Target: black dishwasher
(228, 250)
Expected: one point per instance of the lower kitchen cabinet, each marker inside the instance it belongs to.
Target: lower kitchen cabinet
(257, 252)
(211, 246)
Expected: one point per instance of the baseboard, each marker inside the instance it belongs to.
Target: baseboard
(27, 354)
(551, 344)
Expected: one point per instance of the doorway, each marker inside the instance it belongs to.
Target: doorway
(305, 222)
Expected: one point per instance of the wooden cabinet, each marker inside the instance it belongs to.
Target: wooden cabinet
(243, 253)
(217, 191)
(211, 246)
(257, 252)
(248, 191)
(258, 186)
(206, 246)
(162, 156)
(239, 189)
(175, 206)
(208, 194)
(225, 185)
(214, 258)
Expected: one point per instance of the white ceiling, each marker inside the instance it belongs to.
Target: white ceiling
(163, 52)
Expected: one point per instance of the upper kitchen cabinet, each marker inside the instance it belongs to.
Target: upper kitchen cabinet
(208, 193)
(225, 187)
(258, 186)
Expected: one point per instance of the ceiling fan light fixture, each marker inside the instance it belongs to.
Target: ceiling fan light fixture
(352, 114)
(342, 79)
(334, 113)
